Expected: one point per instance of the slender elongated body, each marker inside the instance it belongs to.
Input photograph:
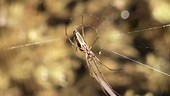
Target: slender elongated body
(92, 62)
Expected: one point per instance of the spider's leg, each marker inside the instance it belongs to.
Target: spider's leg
(68, 36)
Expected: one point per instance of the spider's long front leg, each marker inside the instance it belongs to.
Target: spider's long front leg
(88, 66)
(68, 37)
(107, 66)
(94, 41)
(82, 29)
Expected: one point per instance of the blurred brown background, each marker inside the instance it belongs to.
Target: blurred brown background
(36, 58)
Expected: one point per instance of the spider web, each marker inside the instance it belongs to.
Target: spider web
(132, 44)
(129, 48)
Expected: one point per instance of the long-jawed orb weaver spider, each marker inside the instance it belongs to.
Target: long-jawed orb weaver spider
(92, 61)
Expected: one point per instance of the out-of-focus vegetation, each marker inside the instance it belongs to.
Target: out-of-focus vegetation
(36, 58)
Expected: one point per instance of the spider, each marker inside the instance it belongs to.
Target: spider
(91, 60)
